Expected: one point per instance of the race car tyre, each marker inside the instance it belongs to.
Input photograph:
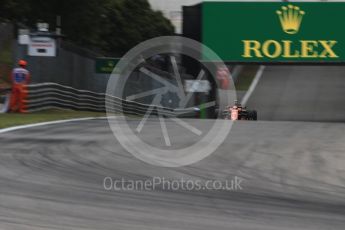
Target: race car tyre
(252, 115)
(255, 115)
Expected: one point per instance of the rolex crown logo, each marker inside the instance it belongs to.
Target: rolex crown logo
(290, 18)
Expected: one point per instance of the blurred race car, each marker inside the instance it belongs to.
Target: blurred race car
(239, 112)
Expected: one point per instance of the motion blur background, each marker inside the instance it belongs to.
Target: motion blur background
(292, 160)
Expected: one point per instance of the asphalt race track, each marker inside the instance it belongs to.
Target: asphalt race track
(293, 178)
(293, 172)
(300, 93)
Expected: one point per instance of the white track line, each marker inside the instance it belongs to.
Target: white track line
(253, 85)
(6, 130)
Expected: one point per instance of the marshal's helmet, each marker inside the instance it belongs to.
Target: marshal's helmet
(22, 63)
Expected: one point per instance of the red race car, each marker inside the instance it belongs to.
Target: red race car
(239, 112)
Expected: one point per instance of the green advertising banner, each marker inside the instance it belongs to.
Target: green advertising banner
(105, 65)
(274, 31)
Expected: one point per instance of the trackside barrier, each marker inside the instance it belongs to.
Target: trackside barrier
(37, 97)
(4, 104)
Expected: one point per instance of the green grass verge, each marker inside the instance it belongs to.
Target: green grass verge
(246, 77)
(15, 119)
